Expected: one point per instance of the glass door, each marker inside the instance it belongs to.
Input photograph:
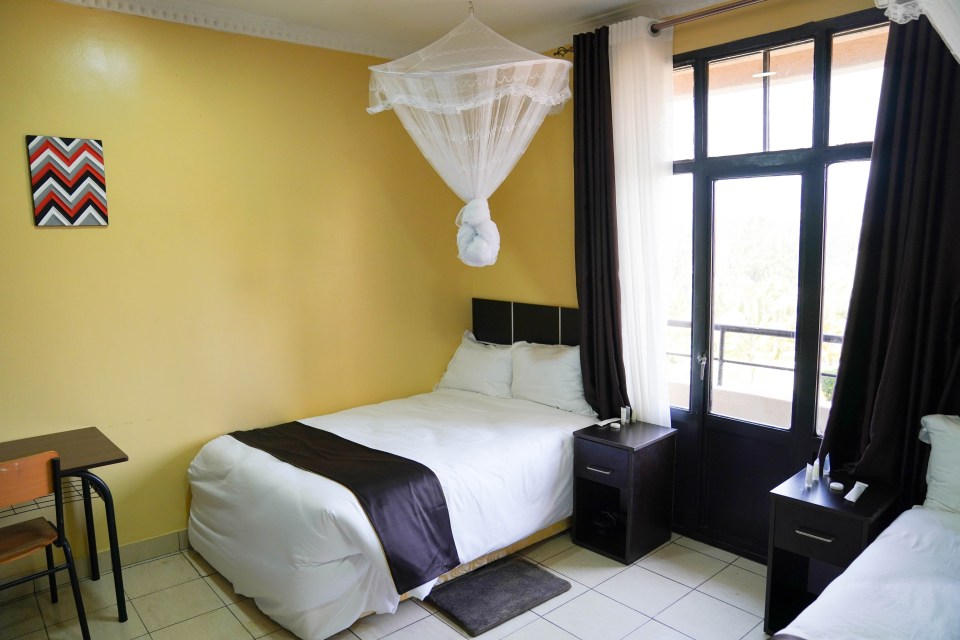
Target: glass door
(756, 256)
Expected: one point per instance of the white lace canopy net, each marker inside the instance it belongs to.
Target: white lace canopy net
(472, 102)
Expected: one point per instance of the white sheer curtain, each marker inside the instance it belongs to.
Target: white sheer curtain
(944, 15)
(641, 67)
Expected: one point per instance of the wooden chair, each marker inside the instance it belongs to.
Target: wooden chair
(26, 479)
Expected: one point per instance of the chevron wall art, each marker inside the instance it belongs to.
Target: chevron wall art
(68, 182)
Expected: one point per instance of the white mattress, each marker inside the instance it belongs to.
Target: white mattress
(301, 545)
(906, 584)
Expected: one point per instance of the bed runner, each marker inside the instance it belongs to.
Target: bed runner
(402, 498)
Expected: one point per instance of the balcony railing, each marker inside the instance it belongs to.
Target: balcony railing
(724, 329)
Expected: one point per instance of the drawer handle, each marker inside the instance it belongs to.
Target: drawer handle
(815, 536)
(605, 472)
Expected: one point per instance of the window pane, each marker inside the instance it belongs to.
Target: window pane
(756, 225)
(683, 113)
(846, 191)
(855, 78)
(790, 97)
(735, 105)
(679, 287)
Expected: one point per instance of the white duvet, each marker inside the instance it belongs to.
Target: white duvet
(906, 584)
(301, 545)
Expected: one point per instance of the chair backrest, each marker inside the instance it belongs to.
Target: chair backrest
(28, 478)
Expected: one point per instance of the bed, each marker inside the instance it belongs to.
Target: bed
(906, 583)
(302, 546)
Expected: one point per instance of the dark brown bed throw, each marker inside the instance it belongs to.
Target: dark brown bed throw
(402, 498)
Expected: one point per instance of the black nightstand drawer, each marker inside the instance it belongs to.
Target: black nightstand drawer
(600, 463)
(817, 533)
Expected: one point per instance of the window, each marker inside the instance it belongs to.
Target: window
(772, 148)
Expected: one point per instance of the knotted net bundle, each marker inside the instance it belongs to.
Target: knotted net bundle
(472, 102)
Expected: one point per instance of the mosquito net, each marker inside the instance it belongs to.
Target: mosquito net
(472, 102)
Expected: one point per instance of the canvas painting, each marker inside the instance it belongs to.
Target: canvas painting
(68, 182)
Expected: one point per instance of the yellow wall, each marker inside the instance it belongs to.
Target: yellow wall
(274, 252)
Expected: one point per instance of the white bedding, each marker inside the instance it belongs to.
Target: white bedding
(906, 584)
(303, 548)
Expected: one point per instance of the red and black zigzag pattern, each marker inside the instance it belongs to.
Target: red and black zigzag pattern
(68, 181)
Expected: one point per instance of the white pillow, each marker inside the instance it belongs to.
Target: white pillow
(942, 433)
(479, 367)
(550, 375)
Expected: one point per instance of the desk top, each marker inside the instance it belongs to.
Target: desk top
(79, 449)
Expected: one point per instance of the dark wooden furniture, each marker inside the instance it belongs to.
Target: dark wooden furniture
(814, 535)
(504, 322)
(81, 450)
(623, 489)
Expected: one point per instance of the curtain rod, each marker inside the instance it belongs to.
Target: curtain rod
(703, 13)
(690, 17)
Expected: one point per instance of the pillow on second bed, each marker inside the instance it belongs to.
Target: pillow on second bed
(479, 367)
(942, 433)
(549, 374)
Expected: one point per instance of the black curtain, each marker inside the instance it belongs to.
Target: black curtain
(901, 355)
(595, 223)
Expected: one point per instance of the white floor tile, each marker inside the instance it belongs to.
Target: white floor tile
(346, 634)
(15, 593)
(156, 575)
(36, 635)
(103, 625)
(19, 618)
(215, 625)
(255, 621)
(202, 566)
(756, 634)
(541, 629)
(654, 630)
(575, 590)
(750, 565)
(498, 632)
(222, 587)
(584, 566)
(176, 604)
(548, 548)
(96, 594)
(739, 587)
(429, 628)
(706, 549)
(643, 590)
(377, 626)
(593, 616)
(704, 618)
(683, 565)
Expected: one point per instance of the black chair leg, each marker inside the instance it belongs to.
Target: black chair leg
(52, 577)
(75, 585)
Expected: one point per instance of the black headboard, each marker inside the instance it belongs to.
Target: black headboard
(504, 322)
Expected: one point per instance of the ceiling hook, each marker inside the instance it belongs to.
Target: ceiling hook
(471, 7)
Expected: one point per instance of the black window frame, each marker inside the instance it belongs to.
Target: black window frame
(812, 163)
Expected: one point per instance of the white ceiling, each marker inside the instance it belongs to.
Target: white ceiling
(394, 28)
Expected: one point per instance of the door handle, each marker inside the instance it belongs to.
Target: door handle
(702, 359)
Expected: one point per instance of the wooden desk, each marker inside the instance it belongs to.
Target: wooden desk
(81, 450)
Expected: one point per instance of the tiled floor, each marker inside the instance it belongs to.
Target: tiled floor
(684, 589)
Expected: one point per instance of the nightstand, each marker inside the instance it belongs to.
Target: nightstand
(623, 489)
(814, 535)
